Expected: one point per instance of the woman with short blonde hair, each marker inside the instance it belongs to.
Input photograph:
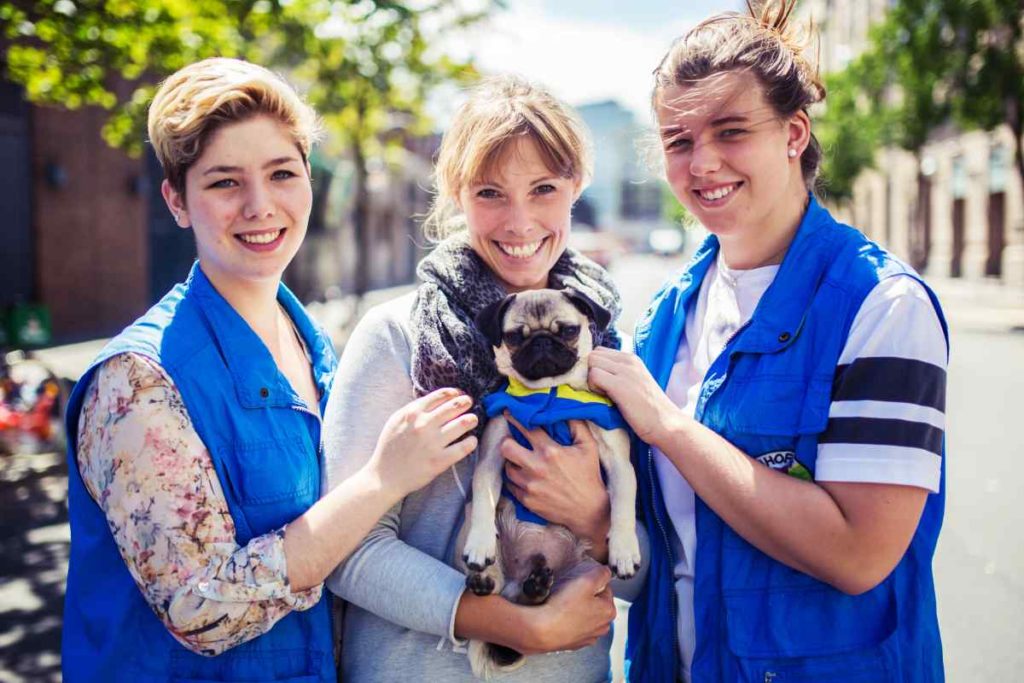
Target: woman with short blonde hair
(198, 544)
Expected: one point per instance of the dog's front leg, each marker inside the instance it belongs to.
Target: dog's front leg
(623, 544)
(481, 542)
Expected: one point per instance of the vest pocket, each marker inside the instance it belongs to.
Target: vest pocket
(813, 634)
(275, 471)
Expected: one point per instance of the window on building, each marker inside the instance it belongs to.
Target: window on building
(998, 168)
(959, 186)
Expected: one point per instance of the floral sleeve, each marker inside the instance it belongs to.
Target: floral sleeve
(146, 467)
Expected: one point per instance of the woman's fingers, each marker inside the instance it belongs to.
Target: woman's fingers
(597, 579)
(445, 410)
(581, 434)
(458, 427)
(435, 398)
(537, 438)
(459, 450)
(519, 456)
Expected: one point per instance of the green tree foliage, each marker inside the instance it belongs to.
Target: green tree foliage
(367, 65)
(942, 61)
(849, 129)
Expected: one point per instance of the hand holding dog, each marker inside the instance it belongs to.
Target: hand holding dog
(624, 378)
(562, 484)
(422, 439)
(577, 615)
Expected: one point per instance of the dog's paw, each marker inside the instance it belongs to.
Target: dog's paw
(537, 586)
(480, 583)
(480, 549)
(624, 554)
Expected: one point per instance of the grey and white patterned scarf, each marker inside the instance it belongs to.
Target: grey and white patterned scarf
(448, 349)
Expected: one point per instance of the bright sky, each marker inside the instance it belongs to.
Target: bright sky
(587, 50)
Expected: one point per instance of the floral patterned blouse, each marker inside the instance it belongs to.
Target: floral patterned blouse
(146, 467)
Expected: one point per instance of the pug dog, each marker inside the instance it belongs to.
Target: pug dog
(541, 341)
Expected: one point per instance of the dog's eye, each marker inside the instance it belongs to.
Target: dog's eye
(569, 331)
(513, 337)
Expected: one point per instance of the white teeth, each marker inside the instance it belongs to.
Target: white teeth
(260, 237)
(717, 193)
(520, 250)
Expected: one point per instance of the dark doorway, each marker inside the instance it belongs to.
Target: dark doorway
(996, 234)
(17, 265)
(956, 264)
(921, 237)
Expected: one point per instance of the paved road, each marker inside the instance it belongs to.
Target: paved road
(980, 555)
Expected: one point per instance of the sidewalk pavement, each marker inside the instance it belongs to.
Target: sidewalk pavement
(986, 305)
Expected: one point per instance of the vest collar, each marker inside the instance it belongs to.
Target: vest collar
(258, 382)
(779, 316)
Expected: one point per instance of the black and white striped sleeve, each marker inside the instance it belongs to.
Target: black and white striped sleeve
(887, 418)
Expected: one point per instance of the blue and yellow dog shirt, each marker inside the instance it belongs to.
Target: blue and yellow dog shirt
(551, 409)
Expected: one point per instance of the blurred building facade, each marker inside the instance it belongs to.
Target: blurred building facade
(972, 220)
(86, 232)
(624, 196)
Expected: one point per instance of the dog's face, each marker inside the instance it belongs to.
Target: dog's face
(542, 337)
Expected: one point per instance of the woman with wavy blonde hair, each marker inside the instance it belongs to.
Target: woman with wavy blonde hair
(787, 393)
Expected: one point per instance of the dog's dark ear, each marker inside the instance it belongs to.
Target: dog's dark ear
(599, 314)
(489, 319)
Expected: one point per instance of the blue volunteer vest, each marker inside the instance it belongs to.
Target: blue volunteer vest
(769, 394)
(550, 409)
(266, 451)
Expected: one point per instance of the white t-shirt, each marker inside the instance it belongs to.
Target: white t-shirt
(887, 415)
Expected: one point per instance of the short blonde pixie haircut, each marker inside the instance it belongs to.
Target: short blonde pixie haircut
(197, 99)
(499, 112)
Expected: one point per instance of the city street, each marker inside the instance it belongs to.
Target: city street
(980, 556)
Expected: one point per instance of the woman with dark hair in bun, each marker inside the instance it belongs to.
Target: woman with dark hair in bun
(788, 397)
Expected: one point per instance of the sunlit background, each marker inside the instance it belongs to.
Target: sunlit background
(921, 129)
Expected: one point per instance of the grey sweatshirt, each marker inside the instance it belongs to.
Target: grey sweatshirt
(402, 591)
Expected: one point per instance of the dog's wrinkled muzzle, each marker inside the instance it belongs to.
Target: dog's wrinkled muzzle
(543, 356)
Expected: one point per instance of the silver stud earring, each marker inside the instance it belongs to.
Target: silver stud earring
(792, 153)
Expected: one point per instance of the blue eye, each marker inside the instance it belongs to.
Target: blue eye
(732, 132)
(224, 183)
(283, 174)
(546, 188)
(488, 193)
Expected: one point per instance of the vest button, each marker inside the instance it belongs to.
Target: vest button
(784, 337)
(264, 392)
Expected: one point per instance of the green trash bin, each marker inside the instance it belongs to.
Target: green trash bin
(29, 326)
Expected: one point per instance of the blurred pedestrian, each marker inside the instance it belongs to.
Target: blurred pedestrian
(788, 393)
(508, 171)
(198, 545)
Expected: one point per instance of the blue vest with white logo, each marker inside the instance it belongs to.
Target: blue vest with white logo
(769, 393)
(549, 409)
(265, 448)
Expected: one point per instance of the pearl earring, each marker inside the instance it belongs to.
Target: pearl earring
(792, 153)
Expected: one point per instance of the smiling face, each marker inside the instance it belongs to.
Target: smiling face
(247, 199)
(728, 156)
(518, 217)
